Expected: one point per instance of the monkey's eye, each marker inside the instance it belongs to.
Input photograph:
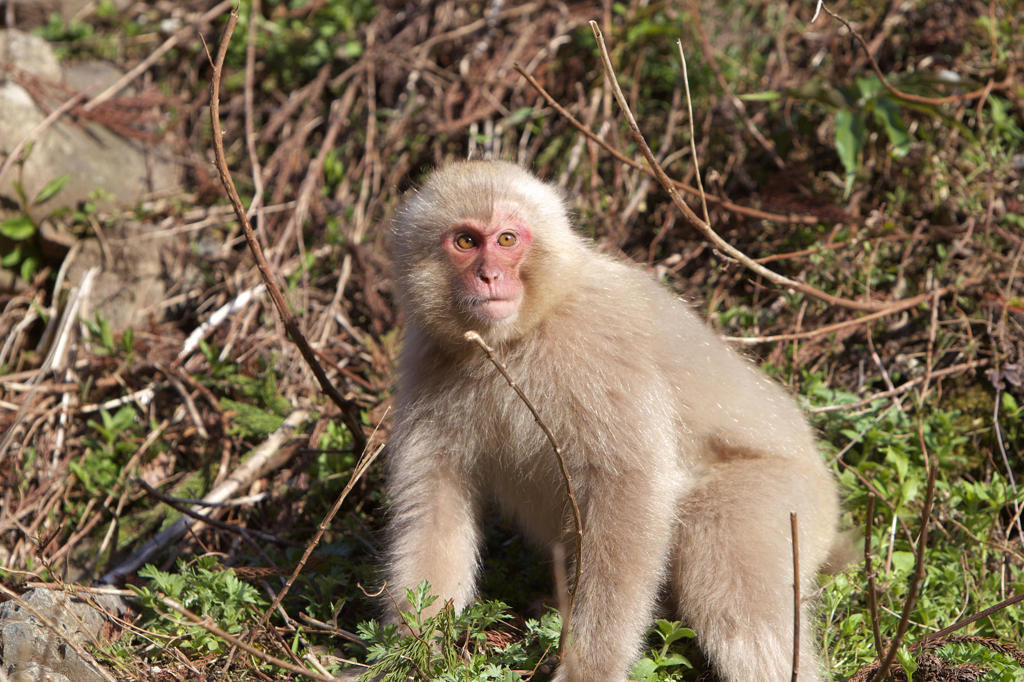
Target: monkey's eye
(507, 239)
(465, 242)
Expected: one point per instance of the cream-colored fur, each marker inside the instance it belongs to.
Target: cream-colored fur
(687, 461)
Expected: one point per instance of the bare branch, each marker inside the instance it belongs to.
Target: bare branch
(698, 224)
(577, 518)
(349, 408)
(796, 596)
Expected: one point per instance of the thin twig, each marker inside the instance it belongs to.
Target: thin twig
(895, 307)
(577, 518)
(619, 156)
(910, 97)
(208, 625)
(256, 205)
(698, 224)
(361, 468)
(915, 582)
(182, 507)
(869, 571)
(349, 408)
(796, 596)
(955, 369)
(693, 136)
(984, 613)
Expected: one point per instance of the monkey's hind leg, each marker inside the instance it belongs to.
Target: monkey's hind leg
(733, 565)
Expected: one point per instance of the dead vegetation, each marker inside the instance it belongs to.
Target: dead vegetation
(901, 193)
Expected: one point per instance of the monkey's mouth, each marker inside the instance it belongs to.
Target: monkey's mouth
(495, 309)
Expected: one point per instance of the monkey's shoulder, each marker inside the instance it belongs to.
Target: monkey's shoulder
(627, 307)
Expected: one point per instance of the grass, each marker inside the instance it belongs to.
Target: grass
(879, 198)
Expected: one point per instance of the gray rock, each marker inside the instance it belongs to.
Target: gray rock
(92, 74)
(31, 651)
(29, 53)
(33, 672)
(93, 156)
(133, 279)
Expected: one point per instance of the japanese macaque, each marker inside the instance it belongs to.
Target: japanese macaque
(686, 460)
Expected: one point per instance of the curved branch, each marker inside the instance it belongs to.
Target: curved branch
(349, 408)
(701, 226)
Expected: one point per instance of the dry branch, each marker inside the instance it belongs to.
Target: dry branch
(793, 527)
(266, 457)
(350, 412)
(566, 477)
(982, 92)
(698, 224)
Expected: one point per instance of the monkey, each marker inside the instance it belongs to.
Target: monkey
(686, 460)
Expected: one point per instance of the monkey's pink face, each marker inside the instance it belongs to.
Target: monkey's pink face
(487, 259)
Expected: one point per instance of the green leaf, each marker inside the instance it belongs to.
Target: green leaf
(128, 340)
(817, 90)
(670, 631)
(903, 561)
(643, 670)
(763, 96)
(353, 49)
(251, 421)
(19, 189)
(52, 187)
(11, 258)
(907, 662)
(518, 116)
(18, 228)
(849, 140)
(869, 87)
(673, 658)
(106, 333)
(29, 266)
(887, 113)
(898, 460)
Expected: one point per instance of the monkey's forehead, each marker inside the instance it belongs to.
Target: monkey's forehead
(479, 189)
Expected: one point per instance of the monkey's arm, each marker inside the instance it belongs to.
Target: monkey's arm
(434, 533)
(629, 519)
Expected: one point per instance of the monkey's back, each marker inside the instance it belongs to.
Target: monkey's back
(714, 392)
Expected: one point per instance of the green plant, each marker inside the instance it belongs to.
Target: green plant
(455, 647)
(23, 229)
(205, 588)
(102, 337)
(883, 453)
(100, 35)
(106, 450)
(264, 417)
(857, 109)
(294, 43)
(656, 663)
